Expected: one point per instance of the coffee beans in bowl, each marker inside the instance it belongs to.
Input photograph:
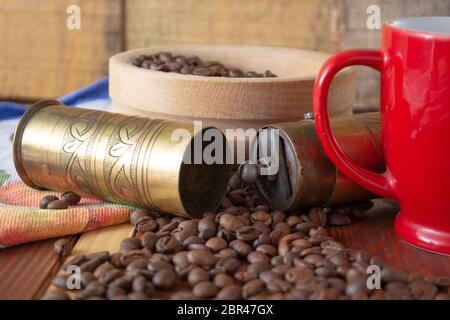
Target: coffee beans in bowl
(193, 65)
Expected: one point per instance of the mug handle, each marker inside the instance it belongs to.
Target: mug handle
(379, 183)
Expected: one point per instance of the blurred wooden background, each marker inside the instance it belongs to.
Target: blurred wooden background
(41, 58)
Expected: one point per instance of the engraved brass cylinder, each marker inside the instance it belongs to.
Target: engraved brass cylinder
(118, 158)
(306, 177)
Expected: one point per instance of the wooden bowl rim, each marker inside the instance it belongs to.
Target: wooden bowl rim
(125, 59)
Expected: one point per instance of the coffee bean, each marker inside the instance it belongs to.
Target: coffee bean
(205, 290)
(193, 240)
(75, 261)
(257, 256)
(230, 292)
(129, 244)
(142, 285)
(165, 279)
(55, 295)
(258, 267)
(112, 292)
(422, 289)
(180, 257)
(318, 216)
(231, 222)
(149, 240)
(222, 280)
(155, 266)
(247, 233)
(46, 200)
(197, 275)
(216, 244)
(58, 205)
(137, 215)
(63, 247)
(71, 198)
(242, 248)
(201, 258)
(389, 274)
(167, 244)
(338, 219)
(245, 276)
(61, 281)
(226, 253)
(145, 224)
(397, 290)
(137, 296)
(253, 287)
(228, 265)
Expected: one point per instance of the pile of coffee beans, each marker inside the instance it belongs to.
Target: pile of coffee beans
(244, 250)
(55, 203)
(166, 62)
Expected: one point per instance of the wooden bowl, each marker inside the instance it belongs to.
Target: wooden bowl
(136, 90)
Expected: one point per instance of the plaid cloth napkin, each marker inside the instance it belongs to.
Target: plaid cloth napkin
(21, 220)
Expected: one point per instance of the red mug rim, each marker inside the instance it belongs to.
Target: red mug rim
(416, 25)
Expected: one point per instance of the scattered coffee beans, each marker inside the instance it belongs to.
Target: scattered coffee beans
(63, 247)
(245, 250)
(166, 62)
(53, 202)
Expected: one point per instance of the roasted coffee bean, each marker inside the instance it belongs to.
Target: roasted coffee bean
(197, 275)
(76, 261)
(422, 289)
(167, 244)
(132, 255)
(269, 275)
(61, 281)
(245, 276)
(205, 290)
(216, 244)
(197, 246)
(222, 280)
(258, 267)
(389, 274)
(112, 292)
(58, 205)
(123, 282)
(242, 248)
(247, 233)
(230, 292)
(46, 200)
(109, 276)
(257, 256)
(115, 260)
(55, 295)
(142, 285)
(201, 257)
(278, 285)
(102, 268)
(71, 198)
(145, 224)
(338, 219)
(137, 296)
(267, 249)
(253, 287)
(182, 295)
(228, 265)
(318, 216)
(137, 215)
(165, 279)
(231, 222)
(180, 257)
(62, 247)
(137, 264)
(149, 240)
(130, 244)
(193, 240)
(226, 253)
(155, 266)
(397, 290)
(183, 269)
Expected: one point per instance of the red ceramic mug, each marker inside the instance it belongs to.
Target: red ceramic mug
(414, 63)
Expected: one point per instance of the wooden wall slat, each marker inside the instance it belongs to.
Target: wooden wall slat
(41, 58)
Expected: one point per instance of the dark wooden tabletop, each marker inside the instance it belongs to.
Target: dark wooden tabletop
(26, 270)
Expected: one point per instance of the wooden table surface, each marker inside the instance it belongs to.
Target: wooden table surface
(26, 270)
